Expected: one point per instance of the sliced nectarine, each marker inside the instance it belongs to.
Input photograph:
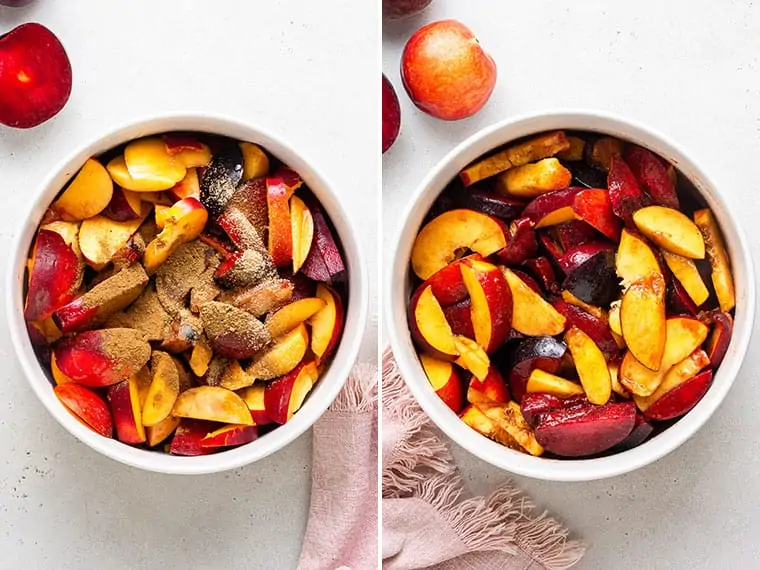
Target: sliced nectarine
(254, 399)
(188, 436)
(162, 430)
(481, 423)
(326, 324)
(723, 281)
(684, 335)
(55, 276)
(445, 380)
(571, 299)
(679, 373)
(87, 406)
(531, 314)
(626, 195)
(293, 314)
(635, 259)
(685, 270)
(720, 337)
(149, 163)
(671, 230)
(591, 366)
(490, 302)
(440, 240)
(510, 419)
(124, 399)
(185, 221)
(546, 383)
(124, 205)
(188, 187)
(614, 319)
(233, 332)
(214, 404)
(58, 376)
(654, 176)
(234, 377)
(534, 179)
(492, 386)
(230, 435)
(472, 357)
(280, 224)
(282, 357)
(601, 151)
(617, 386)
(302, 226)
(255, 161)
(593, 206)
(574, 151)
(100, 238)
(536, 148)
(642, 320)
(163, 390)
(87, 195)
(191, 153)
(681, 398)
(102, 357)
(552, 208)
(284, 396)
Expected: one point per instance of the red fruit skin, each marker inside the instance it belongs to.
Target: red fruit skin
(575, 233)
(324, 262)
(545, 353)
(391, 114)
(55, 276)
(521, 242)
(542, 269)
(491, 204)
(118, 208)
(626, 195)
(598, 330)
(720, 336)
(394, 9)
(492, 386)
(577, 256)
(677, 299)
(447, 284)
(87, 406)
(535, 405)
(74, 316)
(277, 395)
(543, 205)
(238, 436)
(680, 399)
(459, 317)
(188, 436)
(446, 72)
(82, 359)
(583, 431)
(529, 281)
(453, 392)
(652, 175)
(35, 76)
(594, 207)
(548, 243)
(642, 429)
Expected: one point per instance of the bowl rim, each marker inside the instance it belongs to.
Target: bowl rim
(355, 317)
(396, 296)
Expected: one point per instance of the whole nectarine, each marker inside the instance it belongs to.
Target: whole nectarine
(391, 114)
(446, 72)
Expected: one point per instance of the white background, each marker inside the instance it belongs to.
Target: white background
(297, 69)
(690, 70)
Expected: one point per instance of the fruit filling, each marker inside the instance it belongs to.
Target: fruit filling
(571, 295)
(186, 294)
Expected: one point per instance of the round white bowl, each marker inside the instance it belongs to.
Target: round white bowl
(328, 386)
(397, 290)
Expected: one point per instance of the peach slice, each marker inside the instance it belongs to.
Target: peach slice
(481, 423)
(490, 302)
(162, 430)
(254, 399)
(679, 373)
(58, 376)
(124, 206)
(302, 231)
(681, 398)
(685, 270)
(87, 195)
(617, 386)
(594, 207)
(643, 320)
(214, 404)
(531, 314)
(161, 214)
(439, 241)
(472, 357)
(602, 150)
(255, 161)
(445, 380)
(428, 324)
(293, 314)
(282, 357)
(447, 283)
(280, 224)
(510, 419)
(720, 337)
(188, 436)
(87, 406)
(684, 335)
(597, 312)
(188, 187)
(625, 193)
(324, 262)
(543, 382)
(44, 332)
(492, 386)
(189, 152)
(653, 175)
(103, 300)
(54, 277)
(201, 357)
(101, 238)
(143, 378)
(552, 208)
(230, 435)
(163, 391)
(234, 377)
(723, 281)
(124, 399)
(186, 220)
(149, 163)
(671, 230)
(232, 332)
(534, 179)
(102, 357)
(326, 324)
(614, 319)
(597, 329)
(591, 366)
(575, 151)
(635, 259)
(459, 317)
(284, 396)
(536, 148)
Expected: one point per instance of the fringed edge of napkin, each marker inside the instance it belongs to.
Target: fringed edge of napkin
(422, 466)
(359, 393)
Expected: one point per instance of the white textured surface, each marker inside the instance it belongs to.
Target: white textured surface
(688, 69)
(279, 64)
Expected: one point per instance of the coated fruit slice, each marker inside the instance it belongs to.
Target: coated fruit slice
(591, 366)
(722, 279)
(671, 230)
(643, 322)
(531, 314)
(214, 404)
(685, 270)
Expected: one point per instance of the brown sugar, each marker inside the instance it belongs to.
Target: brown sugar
(180, 273)
(232, 332)
(128, 348)
(259, 300)
(245, 268)
(184, 331)
(146, 314)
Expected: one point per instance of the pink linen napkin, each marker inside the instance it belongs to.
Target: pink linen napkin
(426, 521)
(342, 530)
